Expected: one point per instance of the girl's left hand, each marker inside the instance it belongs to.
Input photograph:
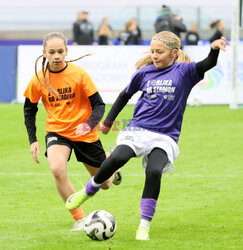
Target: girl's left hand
(83, 129)
(219, 44)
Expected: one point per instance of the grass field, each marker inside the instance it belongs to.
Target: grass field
(200, 204)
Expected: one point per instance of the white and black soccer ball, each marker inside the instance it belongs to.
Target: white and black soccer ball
(100, 225)
(194, 101)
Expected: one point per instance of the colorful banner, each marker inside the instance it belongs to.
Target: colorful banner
(216, 86)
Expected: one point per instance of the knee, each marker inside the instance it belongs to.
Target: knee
(115, 160)
(58, 171)
(153, 175)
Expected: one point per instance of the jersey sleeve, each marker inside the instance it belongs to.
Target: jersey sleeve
(135, 83)
(192, 74)
(33, 90)
(88, 85)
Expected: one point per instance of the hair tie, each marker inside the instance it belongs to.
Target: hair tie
(165, 42)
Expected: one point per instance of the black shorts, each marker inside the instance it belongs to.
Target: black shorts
(92, 153)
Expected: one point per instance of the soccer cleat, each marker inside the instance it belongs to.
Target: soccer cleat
(78, 225)
(118, 178)
(142, 233)
(76, 199)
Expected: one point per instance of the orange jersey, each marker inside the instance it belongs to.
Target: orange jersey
(73, 107)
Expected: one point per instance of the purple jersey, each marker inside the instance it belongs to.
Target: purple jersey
(161, 106)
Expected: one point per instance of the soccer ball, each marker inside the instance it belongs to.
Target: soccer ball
(100, 225)
(194, 101)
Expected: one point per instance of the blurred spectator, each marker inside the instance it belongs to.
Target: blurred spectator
(192, 36)
(105, 33)
(169, 22)
(220, 26)
(139, 32)
(83, 33)
(130, 35)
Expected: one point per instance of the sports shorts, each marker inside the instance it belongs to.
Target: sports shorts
(92, 153)
(143, 141)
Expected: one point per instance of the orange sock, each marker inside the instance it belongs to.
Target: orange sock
(77, 213)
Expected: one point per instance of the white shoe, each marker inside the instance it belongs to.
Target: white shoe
(142, 233)
(78, 225)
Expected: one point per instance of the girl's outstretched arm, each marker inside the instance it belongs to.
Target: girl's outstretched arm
(211, 60)
(116, 108)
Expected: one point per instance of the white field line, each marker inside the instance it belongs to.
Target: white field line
(129, 175)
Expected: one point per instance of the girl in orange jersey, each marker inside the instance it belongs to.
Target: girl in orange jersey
(74, 108)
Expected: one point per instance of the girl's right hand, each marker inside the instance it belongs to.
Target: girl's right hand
(35, 148)
(103, 129)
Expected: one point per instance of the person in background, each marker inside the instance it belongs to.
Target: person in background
(138, 30)
(165, 77)
(105, 33)
(169, 22)
(130, 35)
(220, 26)
(74, 107)
(192, 36)
(83, 33)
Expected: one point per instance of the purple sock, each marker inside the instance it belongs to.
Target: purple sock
(148, 207)
(90, 189)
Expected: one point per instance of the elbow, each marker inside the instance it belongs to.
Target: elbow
(124, 96)
(102, 109)
(214, 64)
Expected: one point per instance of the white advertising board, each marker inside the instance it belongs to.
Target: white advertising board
(111, 68)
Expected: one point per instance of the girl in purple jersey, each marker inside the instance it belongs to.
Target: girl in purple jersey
(165, 77)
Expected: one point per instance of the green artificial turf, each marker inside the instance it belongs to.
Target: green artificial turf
(200, 203)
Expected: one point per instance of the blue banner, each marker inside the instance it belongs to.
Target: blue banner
(8, 64)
